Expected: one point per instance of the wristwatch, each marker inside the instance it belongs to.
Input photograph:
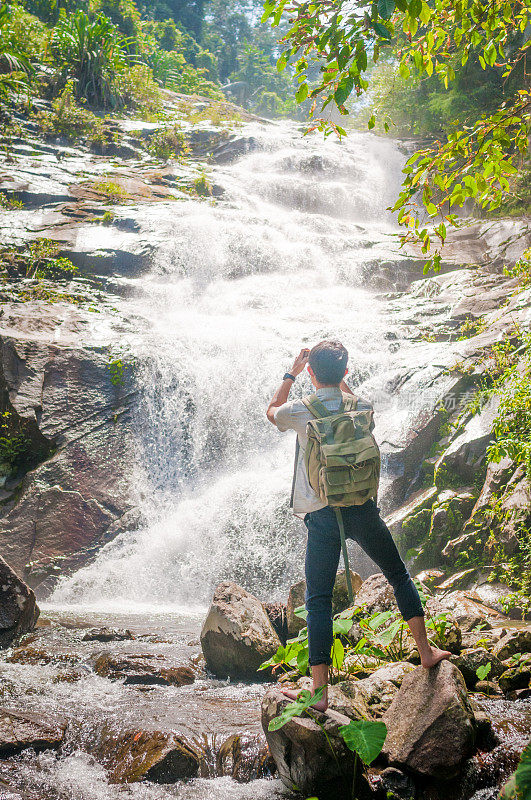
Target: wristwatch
(288, 377)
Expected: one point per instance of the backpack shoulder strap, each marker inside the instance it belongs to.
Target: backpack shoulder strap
(350, 401)
(315, 407)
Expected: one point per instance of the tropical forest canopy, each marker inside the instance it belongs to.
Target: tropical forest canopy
(117, 51)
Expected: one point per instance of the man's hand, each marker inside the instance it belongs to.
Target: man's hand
(300, 362)
(281, 395)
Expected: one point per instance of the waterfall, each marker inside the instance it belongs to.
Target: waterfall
(237, 287)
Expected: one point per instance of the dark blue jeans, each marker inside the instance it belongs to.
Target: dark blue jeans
(365, 526)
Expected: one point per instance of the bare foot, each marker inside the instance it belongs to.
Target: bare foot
(322, 705)
(433, 656)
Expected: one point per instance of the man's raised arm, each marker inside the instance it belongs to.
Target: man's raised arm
(281, 395)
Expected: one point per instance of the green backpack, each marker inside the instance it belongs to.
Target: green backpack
(342, 458)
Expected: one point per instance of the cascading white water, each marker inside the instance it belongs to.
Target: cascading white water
(237, 288)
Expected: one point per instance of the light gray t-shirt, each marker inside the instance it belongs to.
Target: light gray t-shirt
(294, 416)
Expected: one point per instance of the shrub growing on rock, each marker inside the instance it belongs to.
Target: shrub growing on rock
(72, 121)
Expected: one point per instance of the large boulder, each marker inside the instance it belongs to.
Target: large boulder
(18, 610)
(469, 611)
(517, 677)
(377, 691)
(430, 723)
(297, 592)
(20, 730)
(450, 511)
(516, 641)
(245, 757)
(376, 594)
(310, 756)
(237, 635)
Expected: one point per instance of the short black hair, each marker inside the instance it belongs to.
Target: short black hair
(328, 361)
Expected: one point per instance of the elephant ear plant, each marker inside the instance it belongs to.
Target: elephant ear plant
(364, 737)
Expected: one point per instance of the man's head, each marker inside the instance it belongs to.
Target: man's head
(327, 363)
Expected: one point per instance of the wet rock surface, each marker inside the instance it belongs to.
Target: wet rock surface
(141, 668)
(19, 611)
(65, 506)
(153, 755)
(21, 730)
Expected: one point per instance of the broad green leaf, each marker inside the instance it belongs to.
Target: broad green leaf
(381, 31)
(338, 654)
(404, 71)
(342, 626)
(303, 702)
(282, 62)
(343, 90)
(301, 612)
(302, 660)
(483, 671)
(379, 619)
(371, 123)
(302, 93)
(386, 8)
(364, 737)
(278, 658)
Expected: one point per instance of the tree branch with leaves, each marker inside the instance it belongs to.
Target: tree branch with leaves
(338, 39)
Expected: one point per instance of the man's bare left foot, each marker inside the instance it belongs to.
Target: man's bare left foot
(293, 694)
(432, 658)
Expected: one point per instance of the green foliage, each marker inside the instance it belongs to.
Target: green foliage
(15, 63)
(9, 202)
(523, 775)
(48, 11)
(14, 444)
(168, 142)
(43, 261)
(136, 89)
(521, 270)
(304, 700)
(512, 426)
(483, 670)
(471, 327)
(264, 88)
(516, 600)
(518, 787)
(116, 368)
(72, 121)
(202, 186)
(91, 52)
(364, 737)
(112, 192)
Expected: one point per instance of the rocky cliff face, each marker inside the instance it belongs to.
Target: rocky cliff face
(58, 385)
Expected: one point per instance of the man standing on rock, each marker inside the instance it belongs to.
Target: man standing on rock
(327, 366)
